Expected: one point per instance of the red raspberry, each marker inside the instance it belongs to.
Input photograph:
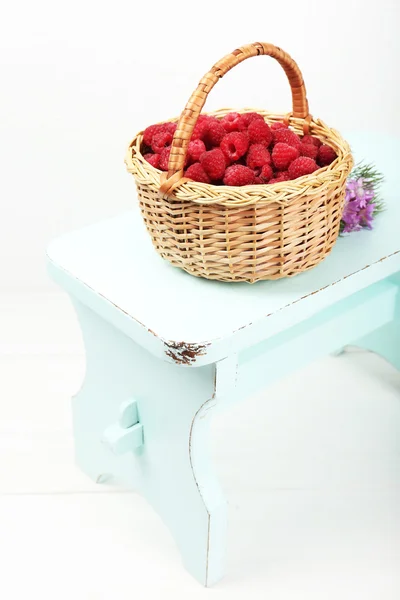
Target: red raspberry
(234, 145)
(259, 132)
(197, 173)
(283, 155)
(258, 180)
(164, 158)
(161, 140)
(278, 125)
(282, 176)
(302, 166)
(201, 126)
(326, 155)
(266, 173)
(257, 156)
(170, 127)
(153, 130)
(214, 133)
(213, 162)
(309, 150)
(311, 139)
(150, 131)
(153, 159)
(238, 175)
(194, 151)
(286, 136)
(247, 118)
(232, 122)
(198, 131)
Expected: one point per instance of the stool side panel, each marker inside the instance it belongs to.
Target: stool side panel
(172, 468)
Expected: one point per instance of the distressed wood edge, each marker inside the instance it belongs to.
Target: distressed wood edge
(189, 354)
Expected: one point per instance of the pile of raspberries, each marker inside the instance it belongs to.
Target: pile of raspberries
(239, 149)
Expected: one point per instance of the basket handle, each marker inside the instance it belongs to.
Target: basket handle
(190, 114)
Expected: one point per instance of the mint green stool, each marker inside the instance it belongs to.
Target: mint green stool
(164, 350)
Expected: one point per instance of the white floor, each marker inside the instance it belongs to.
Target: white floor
(311, 469)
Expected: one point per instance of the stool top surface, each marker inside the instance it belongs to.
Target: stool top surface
(113, 263)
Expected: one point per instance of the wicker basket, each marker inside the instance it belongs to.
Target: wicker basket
(244, 233)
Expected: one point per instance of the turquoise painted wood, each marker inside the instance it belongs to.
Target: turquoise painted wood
(164, 350)
(127, 433)
(171, 468)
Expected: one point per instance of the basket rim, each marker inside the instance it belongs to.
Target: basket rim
(241, 196)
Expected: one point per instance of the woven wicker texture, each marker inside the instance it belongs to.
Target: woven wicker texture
(247, 233)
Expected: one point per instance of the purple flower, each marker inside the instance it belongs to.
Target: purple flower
(366, 215)
(350, 217)
(351, 188)
(359, 208)
(358, 189)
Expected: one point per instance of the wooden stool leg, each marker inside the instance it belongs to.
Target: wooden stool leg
(179, 482)
(167, 460)
(92, 411)
(385, 341)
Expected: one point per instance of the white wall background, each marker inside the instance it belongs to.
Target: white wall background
(79, 78)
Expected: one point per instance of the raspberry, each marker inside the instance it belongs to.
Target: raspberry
(278, 125)
(286, 136)
(232, 122)
(302, 166)
(194, 151)
(213, 162)
(214, 132)
(309, 150)
(247, 118)
(150, 131)
(283, 155)
(234, 145)
(283, 176)
(257, 156)
(326, 155)
(209, 130)
(197, 173)
(153, 159)
(153, 130)
(170, 127)
(164, 158)
(238, 175)
(258, 180)
(311, 139)
(276, 180)
(266, 173)
(161, 140)
(198, 131)
(200, 128)
(259, 132)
